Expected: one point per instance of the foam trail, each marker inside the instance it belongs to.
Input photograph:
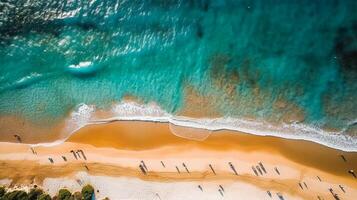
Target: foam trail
(131, 111)
(23, 82)
(77, 119)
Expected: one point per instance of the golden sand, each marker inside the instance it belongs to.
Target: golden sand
(116, 149)
(131, 135)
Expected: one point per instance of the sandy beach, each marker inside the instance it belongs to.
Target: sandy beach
(178, 100)
(179, 168)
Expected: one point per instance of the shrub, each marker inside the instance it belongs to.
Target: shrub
(44, 197)
(64, 194)
(2, 191)
(34, 194)
(87, 192)
(77, 196)
(16, 195)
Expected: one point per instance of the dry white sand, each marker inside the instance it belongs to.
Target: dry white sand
(123, 188)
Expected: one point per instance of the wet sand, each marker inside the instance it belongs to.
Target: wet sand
(116, 149)
(30, 132)
(131, 135)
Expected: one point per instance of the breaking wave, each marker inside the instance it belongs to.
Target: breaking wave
(132, 111)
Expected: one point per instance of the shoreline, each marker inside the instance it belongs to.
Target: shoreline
(114, 150)
(139, 136)
(349, 144)
(131, 111)
(213, 124)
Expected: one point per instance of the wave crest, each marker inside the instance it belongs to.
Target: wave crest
(201, 128)
(83, 68)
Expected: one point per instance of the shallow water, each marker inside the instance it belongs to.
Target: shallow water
(276, 61)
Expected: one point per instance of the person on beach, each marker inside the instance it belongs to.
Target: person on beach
(269, 194)
(232, 167)
(259, 170)
(142, 169)
(18, 138)
(255, 171)
(163, 164)
(262, 167)
(220, 186)
(210, 166)
(74, 154)
(301, 186)
(79, 182)
(276, 170)
(319, 178)
(83, 155)
(158, 196)
(306, 185)
(178, 170)
(200, 187)
(64, 158)
(184, 165)
(334, 194)
(280, 196)
(352, 173)
(221, 192)
(144, 165)
(79, 156)
(33, 151)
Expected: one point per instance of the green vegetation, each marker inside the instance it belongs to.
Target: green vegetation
(44, 197)
(16, 195)
(77, 196)
(64, 194)
(2, 191)
(34, 193)
(87, 192)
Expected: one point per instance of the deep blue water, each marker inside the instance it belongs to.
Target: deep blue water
(246, 56)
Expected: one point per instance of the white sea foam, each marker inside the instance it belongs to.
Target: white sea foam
(135, 110)
(83, 68)
(81, 65)
(28, 78)
(78, 119)
(132, 111)
(22, 82)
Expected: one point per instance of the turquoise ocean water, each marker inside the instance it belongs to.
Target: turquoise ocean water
(253, 59)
